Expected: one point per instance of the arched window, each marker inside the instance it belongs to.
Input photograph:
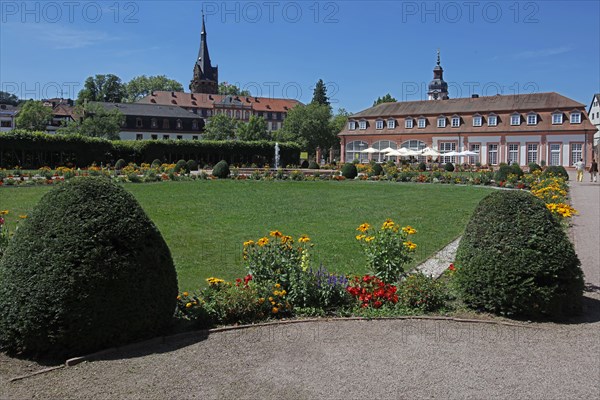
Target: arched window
(353, 151)
(179, 124)
(381, 145)
(416, 145)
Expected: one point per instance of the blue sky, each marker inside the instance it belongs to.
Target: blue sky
(281, 48)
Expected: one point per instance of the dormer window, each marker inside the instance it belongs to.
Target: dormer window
(422, 122)
(492, 120)
(515, 119)
(408, 123)
(575, 117)
(477, 120)
(362, 124)
(352, 125)
(138, 122)
(179, 124)
(532, 118)
(391, 123)
(455, 121)
(379, 124)
(441, 122)
(557, 118)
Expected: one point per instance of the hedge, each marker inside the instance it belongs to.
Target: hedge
(33, 150)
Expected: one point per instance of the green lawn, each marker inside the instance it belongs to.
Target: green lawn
(205, 222)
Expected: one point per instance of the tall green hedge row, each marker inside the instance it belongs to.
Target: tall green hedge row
(33, 150)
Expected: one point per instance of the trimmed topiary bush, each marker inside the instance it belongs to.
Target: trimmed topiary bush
(304, 164)
(120, 164)
(86, 271)
(515, 259)
(313, 165)
(156, 163)
(181, 167)
(376, 169)
(534, 167)
(557, 170)
(192, 165)
(449, 167)
(221, 170)
(349, 171)
(422, 166)
(503, 171)
(516, 169)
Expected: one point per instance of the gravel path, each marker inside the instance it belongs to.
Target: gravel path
(384, 359)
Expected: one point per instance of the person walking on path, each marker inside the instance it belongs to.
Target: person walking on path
(593, 171)
(580, 166)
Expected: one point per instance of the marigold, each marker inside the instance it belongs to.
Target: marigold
(185, 294)
(277, 285)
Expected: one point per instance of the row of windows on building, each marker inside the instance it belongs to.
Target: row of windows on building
(239, 114)
(140, 136)
(516, 119)
(354, 152)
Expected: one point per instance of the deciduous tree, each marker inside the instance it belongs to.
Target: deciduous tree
(34, 116)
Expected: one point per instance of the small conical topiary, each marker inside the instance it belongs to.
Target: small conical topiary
(86, 271)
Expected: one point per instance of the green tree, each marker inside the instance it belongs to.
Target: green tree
(231, 89)
(220, 127)
(97, 122)
(143, 85)
(34, 116)
(310, 126)
(254, 129)
(339, 121)
(8, 98)
(385, 99)
(108, 88)
(320, 94)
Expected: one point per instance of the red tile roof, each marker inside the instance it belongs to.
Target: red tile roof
(207, 101)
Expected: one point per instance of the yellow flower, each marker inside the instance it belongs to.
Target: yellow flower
(270, 299)
(286, 239)
(3, 212)
(261, 300)
(388, 224)
(276, 234)
(263, 241)
(178, 297)
(248, 243)
(368, 239)
(360, 237)
(277, 286)
(410, 245)
(275, 310)
(188, 305)
(283, 292)
(304, 239)
(364, 227)
(23, 216)
(276, 292)
(409, 230)
(185, 294)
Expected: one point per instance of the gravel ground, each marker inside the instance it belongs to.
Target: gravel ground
(384, 359)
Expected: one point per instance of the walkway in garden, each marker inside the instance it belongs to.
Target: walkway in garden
(390, 359)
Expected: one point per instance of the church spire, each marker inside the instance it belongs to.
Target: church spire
(438, 88)
(206, 77)
(438, 60)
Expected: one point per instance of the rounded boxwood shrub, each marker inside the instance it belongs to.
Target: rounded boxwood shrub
(449, 167)
(534, 167)
(86, 271)
(515, 259)
(515, 168)
(349, 171)
(422, 166)
(313, 165)
(557, 170)
(221, 170)
(181, 167)
(192, 165)
(304, 164)
(376, 169)
(120, 164)
(502, 173)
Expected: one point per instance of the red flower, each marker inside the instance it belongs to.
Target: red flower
(451, 267)
(377, 304)
(247, 279)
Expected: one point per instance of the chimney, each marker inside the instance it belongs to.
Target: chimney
(474, 96)
(173, 94)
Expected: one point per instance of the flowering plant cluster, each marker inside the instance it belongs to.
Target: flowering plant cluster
(420, 292)
(553, 191)
(370, 291)
(388, 249)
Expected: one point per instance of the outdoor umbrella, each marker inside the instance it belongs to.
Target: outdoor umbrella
(451, 154)
(468, 153)
(370, 150)
(387, 150)
(428, 151)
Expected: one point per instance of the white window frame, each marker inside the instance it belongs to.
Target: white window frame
(555, 150)
(447, 147)
(391, 124)
(409, 123)
(379, 124)
(492, 149)
(575, 118)
(455, 122)
(362, 125)
(352, 125)
(512, 153)
(476, 148)
(532, 153)
(576, 152)
(532, 119)
(422, 122)
(441, 122)
(477, 120)
(492, 120)
(515, 119)
(557, 119)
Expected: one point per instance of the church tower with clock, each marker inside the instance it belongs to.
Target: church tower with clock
(438, 88)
